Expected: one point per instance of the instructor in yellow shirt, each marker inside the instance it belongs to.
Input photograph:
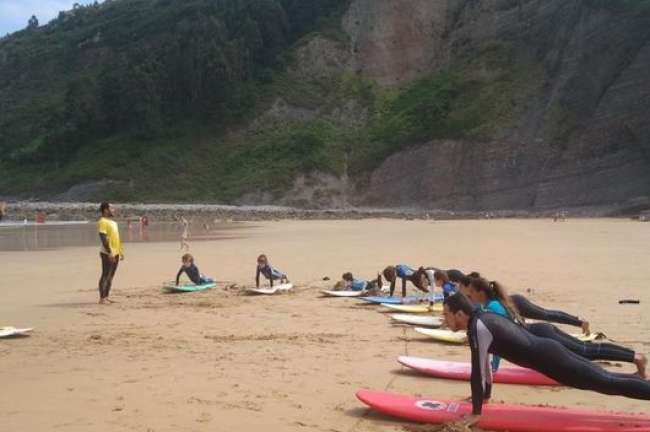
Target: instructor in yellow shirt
(111, 251)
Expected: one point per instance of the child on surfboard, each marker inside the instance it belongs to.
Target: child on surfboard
(441, 280)
(265, 269)
(192, 271)
(349, 283)
(405, 273)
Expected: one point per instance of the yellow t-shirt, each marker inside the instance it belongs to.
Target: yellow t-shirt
(109, 229)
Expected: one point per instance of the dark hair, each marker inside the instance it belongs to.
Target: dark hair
(458, 302)
(495, 291)
(467, 279)
(262, 257)
(390, 273)
(187, 257)
(417, 278)
(455, 275)
(441, 275)
(347, 276)
(103, 207)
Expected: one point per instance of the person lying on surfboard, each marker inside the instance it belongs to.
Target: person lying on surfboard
(529, 310)
(441, 280)
(493, 298)
(349, 283)
(192, 271)
(431, 277)
(265, 269)
(488, 333)
(405, 273)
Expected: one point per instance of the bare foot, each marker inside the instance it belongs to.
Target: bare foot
(641, 362)
(102, 301)
(585, 328)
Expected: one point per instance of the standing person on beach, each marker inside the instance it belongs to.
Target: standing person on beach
(111, 251)
(3, 209)
(185, 234)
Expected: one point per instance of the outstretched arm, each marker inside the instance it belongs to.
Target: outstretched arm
(480, 340)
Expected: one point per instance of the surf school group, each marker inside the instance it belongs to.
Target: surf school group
(474, 310)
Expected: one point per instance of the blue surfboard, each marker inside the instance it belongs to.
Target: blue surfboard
(401, 300)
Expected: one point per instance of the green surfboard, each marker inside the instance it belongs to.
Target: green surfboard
(188, 287)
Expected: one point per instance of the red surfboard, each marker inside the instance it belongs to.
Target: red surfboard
(497, 417)
(463, 371)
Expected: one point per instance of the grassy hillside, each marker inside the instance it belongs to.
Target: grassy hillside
(164, 98)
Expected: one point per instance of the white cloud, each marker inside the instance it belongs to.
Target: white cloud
(14, 14)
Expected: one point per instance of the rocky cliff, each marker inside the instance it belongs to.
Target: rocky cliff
(456, 104)
(582, 139)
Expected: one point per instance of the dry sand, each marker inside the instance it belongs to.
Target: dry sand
(220, 361)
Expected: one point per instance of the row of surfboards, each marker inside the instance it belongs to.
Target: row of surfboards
(190, 287)
(498, 417)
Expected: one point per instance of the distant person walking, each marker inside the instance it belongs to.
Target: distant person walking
(3, 209)
(185, 234)
(111, 251)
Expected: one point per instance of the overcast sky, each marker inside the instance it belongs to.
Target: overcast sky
(14, 14)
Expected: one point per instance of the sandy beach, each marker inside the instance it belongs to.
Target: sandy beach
(223, 361)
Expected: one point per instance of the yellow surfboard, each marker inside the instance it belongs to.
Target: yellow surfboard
(448, 336)
(461, 337)
(415, 308)
(586, 338)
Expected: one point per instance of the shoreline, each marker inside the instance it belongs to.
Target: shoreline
(75, 211)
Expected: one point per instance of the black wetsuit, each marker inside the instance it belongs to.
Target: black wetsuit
(588, 350)
(491, 333)
(527, 309)
(192, 272)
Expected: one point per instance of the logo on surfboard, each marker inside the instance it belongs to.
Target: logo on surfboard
(430, 405)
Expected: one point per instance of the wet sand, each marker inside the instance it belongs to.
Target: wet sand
(222, 361)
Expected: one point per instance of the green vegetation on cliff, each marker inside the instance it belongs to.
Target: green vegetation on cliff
(167, 99)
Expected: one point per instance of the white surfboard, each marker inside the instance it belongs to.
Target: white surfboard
(13, 331)
(270, 291)
(343, 293)
(418, 320)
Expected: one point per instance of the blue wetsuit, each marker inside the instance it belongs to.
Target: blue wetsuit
(496, 307)
(448, 289)
(403, 271)
(270, 273)
(358, 285)
(193, 273)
